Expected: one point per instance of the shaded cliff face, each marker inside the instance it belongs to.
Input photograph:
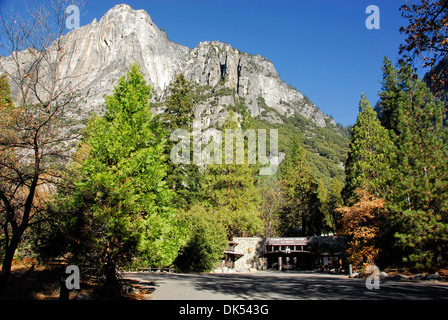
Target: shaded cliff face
(104, 50)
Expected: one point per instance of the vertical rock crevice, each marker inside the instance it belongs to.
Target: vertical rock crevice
(238, 73)
(223, 70)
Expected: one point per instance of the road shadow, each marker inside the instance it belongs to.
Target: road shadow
(284, 286)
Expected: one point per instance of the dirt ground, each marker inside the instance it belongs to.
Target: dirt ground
(33, 282)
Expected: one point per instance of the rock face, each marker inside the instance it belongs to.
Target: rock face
(104, 50)
(248, 78)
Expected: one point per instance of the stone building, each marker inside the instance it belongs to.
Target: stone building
(246, 254)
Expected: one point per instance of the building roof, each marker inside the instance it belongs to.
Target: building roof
(233, 253)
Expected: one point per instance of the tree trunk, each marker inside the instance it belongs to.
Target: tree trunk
(8, 258)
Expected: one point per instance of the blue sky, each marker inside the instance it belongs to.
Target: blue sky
(321, 47)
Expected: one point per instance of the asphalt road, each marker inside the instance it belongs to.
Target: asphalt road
(280, 286)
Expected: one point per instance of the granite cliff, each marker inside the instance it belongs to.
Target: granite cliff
(103, 51)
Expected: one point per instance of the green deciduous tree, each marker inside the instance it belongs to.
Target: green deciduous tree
(207, 239)
(5, 93)
(322, 195)
(273, 200)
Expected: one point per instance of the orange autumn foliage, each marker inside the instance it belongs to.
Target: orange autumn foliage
(360, 223)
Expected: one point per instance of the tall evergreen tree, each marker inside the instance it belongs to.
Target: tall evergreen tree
(371, 156)
(389, 96)
(179, 105)
(334, 201)
(419, 198)
(369, 174)
(183, 178)
(301, 213)
(231, 189)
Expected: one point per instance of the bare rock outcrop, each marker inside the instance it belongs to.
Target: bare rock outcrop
(102, 51)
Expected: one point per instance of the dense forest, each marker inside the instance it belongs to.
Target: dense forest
(120, 201)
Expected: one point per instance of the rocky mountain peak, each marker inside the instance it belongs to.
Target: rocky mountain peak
(127, 19)
(102, 52)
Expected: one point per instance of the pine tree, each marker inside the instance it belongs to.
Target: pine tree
(388, 97)
(301, 213)
(179, 105)
(419, 199)
(183, 178)
(334, 201)
(369, 174)
(231, 189)
(371, 157)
